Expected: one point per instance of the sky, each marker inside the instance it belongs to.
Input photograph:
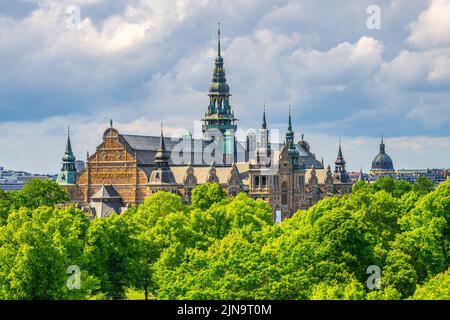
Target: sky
(141, 62)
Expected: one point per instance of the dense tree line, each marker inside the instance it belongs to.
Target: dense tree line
(230, 248)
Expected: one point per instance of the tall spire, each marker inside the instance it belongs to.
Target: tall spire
(219, 114)
(68, 153)
(292, 150)
(162, 174)
(290, 122)
(162, 144)
(218, 40)
(264, 123)
(340, 151)
(339, 170)
(162, 156)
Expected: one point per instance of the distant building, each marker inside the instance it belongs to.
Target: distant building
(15, 180)
(382, 163)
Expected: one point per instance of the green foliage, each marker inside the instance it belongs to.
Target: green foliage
(37, 247)
(155, 207)
(205, 195)
(230, 248)
(437, 288)
(6, 202)
(110, 248)
(423, 185)
(37, 193)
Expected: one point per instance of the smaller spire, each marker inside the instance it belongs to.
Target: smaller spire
(264, 123)
(340, 150)
(162, 144)
(218, 39)
(68, 152)
(162, 156)
(290, 122)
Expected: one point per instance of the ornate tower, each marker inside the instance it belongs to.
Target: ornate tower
(340, 174)
(219, 115)
(162, 178)
(68, 173)
(292, 150)
(263, 152)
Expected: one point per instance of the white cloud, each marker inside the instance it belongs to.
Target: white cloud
(151, 60)
(432, 26)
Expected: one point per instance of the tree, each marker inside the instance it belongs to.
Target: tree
(437, 288)
(396, 187)
(110, 248)
(37, 193)
(5, 206)
(37, 246)
(423, 185)
(155, 207)
(205, 195)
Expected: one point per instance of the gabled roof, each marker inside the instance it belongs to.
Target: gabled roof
(106, 192)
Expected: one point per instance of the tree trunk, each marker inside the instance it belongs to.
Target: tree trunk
(146, 292)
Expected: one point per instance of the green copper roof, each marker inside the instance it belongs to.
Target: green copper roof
(219, 114)
(68, 171)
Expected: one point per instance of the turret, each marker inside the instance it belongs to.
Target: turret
(68, 173)
(340, 174)
(293, 152)
(219, 115)
(263, 152)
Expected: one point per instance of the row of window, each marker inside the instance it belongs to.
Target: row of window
(263, 181)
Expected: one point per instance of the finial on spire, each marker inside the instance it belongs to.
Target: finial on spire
(290, 122)
(110, 123)
(68, 130)
(382, 139)
(340, 150)
(218, 39)
(162, 144)
(264, 124)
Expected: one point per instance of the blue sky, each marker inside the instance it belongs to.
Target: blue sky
(143, 61)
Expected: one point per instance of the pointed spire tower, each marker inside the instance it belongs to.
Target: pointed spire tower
(340, 174)
(68, 173)
(263, 152)
(162, 178)
(219, 115)
(293, 152)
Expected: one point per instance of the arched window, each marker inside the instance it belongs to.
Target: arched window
(263, 181)
(256, 181)
(284, 193)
